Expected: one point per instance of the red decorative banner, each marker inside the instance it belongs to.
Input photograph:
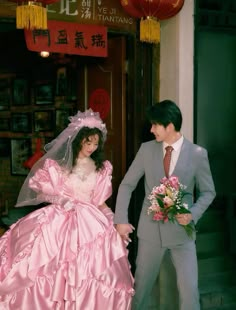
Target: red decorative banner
(69, 38)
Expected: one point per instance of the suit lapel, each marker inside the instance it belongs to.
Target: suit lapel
(157, 160)
(182, 162)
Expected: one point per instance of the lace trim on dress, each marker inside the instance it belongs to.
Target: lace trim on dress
(84, 168)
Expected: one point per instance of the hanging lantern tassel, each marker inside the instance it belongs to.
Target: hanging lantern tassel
(150, 30)
(31, 15)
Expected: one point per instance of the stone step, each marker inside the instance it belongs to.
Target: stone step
(216, 264)
(212, 243)
(217, 267)
(222, 299)
(227, 307)
(216, 282)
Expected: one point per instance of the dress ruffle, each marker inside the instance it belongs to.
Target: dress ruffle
(62, 258)
(67, 255)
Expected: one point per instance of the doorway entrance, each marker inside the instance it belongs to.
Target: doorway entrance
(102, 86)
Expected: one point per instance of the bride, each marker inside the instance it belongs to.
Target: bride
(68, 254)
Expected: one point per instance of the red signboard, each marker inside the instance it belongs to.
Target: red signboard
(69, 38)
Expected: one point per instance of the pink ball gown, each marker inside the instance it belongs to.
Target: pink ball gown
(68, 254)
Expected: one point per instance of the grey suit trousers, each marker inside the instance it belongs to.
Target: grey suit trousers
(149, 258)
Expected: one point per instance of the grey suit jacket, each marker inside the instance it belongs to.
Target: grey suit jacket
(192, 168)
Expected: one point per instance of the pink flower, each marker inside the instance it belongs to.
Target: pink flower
(164, 180)
(160, 190)
(154, 208)
(158, 216)
(165, 219)
(168, 201)
(174, 182)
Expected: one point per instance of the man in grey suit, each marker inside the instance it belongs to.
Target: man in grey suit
(189, 162)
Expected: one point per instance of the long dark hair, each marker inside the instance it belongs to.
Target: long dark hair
(85, 133)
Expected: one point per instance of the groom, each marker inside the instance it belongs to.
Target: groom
(189, 162)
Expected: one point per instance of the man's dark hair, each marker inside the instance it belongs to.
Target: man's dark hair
(164, 113)
(97, 155)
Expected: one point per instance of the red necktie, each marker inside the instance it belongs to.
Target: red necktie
(167, 159)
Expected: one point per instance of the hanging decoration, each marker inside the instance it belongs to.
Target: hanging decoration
(32, 14)
(150, 12)
(36, 156)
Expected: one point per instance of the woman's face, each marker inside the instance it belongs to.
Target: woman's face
(89, 145)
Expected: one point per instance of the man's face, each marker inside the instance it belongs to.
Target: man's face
(160, 132)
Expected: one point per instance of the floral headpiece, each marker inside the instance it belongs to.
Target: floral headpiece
(88, 119)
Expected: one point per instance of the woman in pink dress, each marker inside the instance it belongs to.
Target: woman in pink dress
(68, 254)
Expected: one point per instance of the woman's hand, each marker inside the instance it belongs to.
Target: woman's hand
(107, 211)
(124, 230)
(103, 206)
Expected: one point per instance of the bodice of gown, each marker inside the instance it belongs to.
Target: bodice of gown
(84, 183)
(81, 181)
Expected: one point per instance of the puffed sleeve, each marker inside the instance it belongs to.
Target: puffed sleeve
(103, 188)
(48, 180)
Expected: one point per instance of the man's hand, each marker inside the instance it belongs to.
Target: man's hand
(124, 230)
(184, 219)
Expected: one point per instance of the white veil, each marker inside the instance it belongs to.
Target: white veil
(60, 150)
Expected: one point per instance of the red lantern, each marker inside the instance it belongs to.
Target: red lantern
(151, 12)
(32, 14)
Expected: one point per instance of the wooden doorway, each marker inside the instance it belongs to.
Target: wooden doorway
(106, 77)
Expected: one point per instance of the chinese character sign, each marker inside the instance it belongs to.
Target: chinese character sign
(69, 38)
(109, 13)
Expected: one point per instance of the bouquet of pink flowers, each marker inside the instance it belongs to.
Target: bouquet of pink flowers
(167, 201)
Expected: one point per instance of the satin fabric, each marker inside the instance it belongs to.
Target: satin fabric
(67, 255)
